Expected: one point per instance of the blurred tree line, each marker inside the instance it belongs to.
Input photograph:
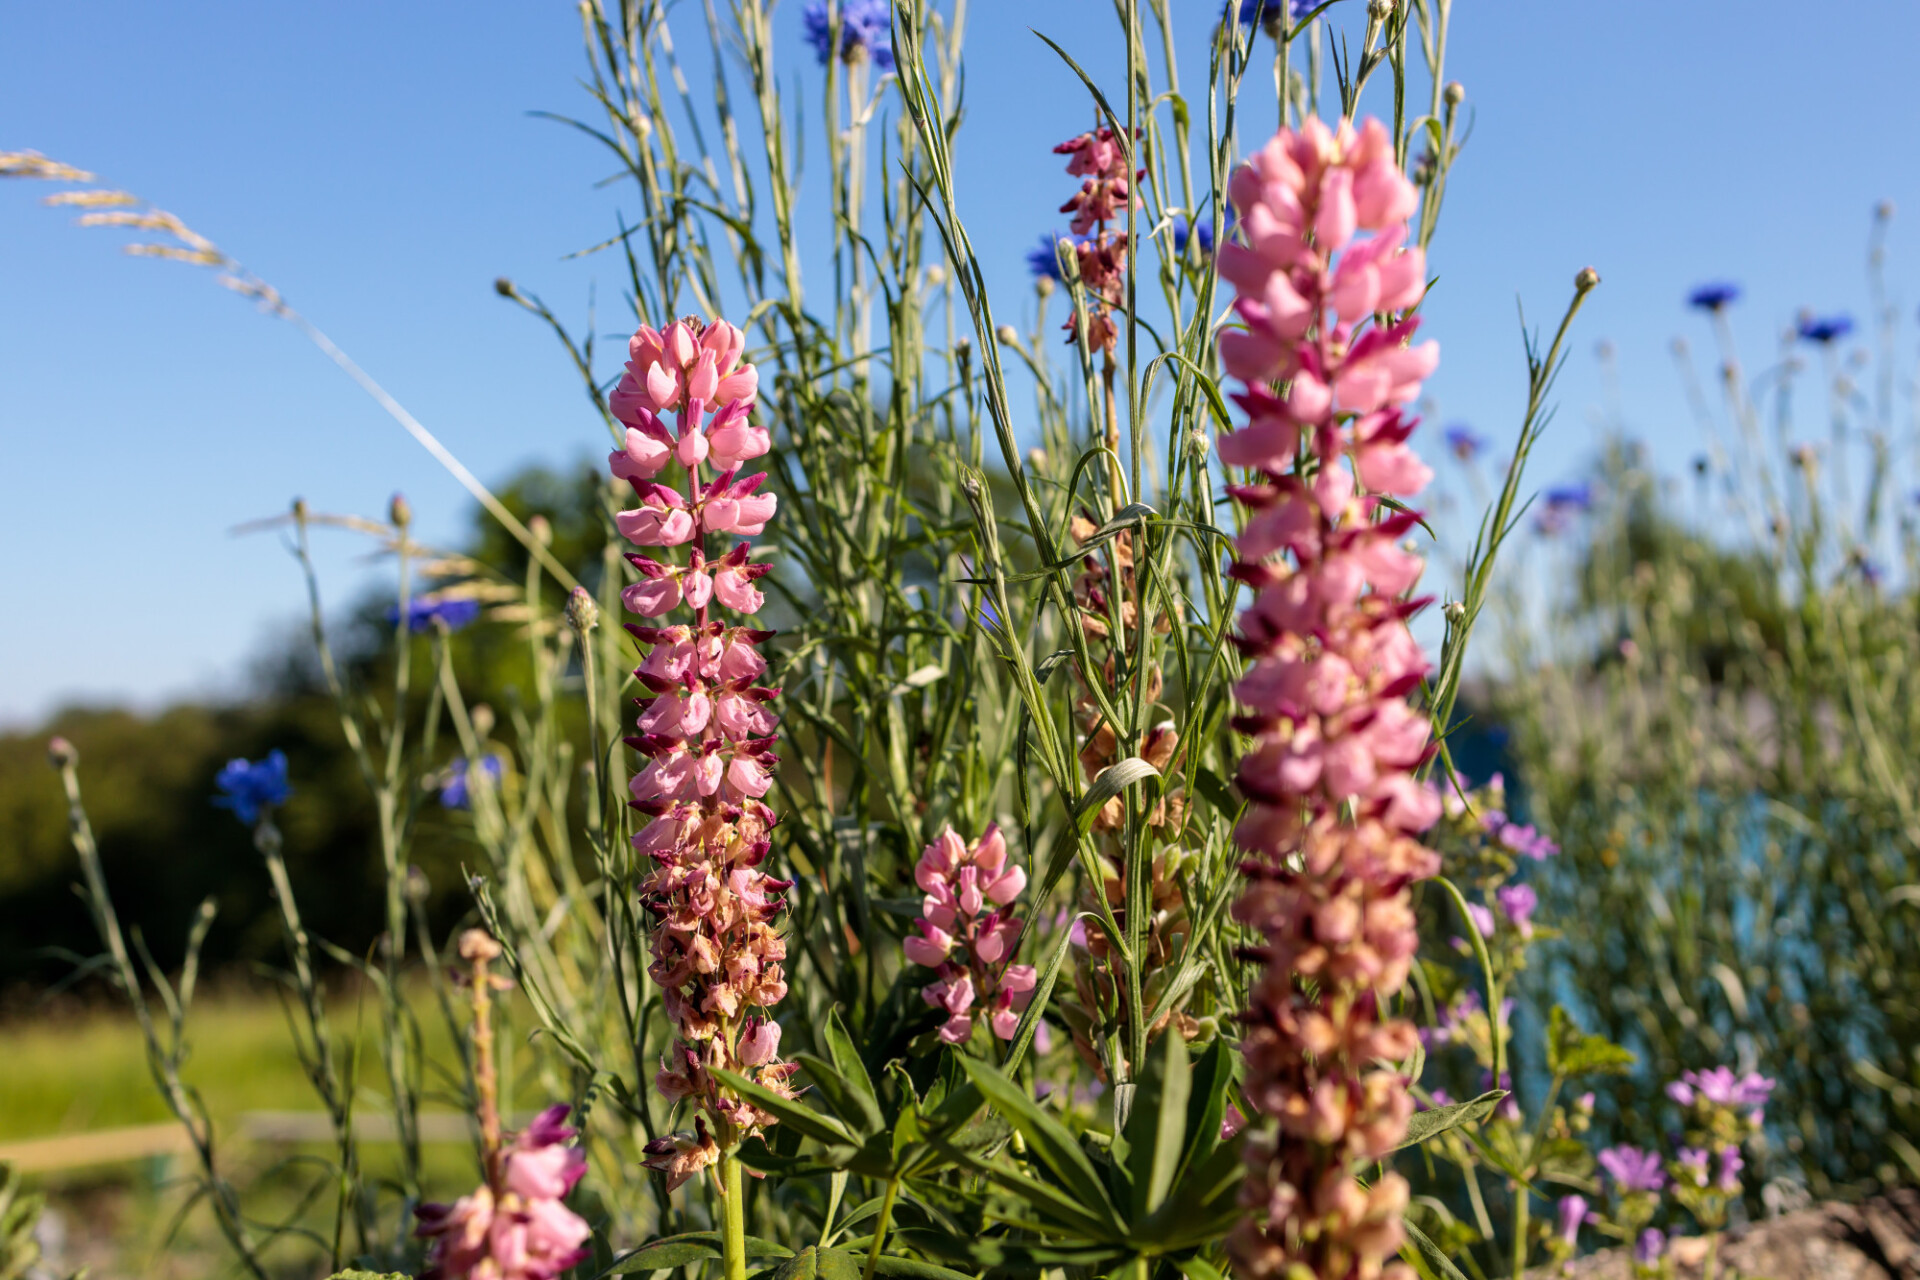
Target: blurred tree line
(150, 781)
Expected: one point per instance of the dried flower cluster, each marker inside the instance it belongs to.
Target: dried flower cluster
(1106, 192)
(1331, 831)
(968, 935)
(707, 731)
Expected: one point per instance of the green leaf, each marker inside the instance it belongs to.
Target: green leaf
(1430, 1252)
(1157, 1126)
(1068, 1216)
(804, 1120)
(683, 1250)
(846, 1057)
(820, 1264)
(1199, 1269)
(911, 1269)
(1047, 1137)
(1572, 1052)
(1114, 779)
(1042, 992)
(1431, 1123)
(842, 1094)
(1207, 1102)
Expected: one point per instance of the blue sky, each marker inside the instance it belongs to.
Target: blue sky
(378, 163)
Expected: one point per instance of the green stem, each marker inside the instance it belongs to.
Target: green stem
(733, 1228)
(880, 1231)
(1521, 1209)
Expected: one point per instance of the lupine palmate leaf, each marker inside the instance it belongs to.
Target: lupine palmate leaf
(682, 1250)
(1047, 1137)
(820, 1264)
(1434, 1121)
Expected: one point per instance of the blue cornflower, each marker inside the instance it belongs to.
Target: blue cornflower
(423, 612)
(248, 786)
(1464, 441)
(454, 793)
(1202, 228)
(1043, 261)
(1266, 12)
(1561, 504)
(1824, 329)
(1714, 296)
(866, 31)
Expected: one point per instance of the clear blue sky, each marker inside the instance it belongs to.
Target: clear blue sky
(377, 163)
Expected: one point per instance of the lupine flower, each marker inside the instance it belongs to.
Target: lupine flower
(455, 792)
(514, 1226)
(1482, 919)
(1650, 1247)
(706, 731)
(1106, 193)
(1824, 329)
(250, 787)
(1569, 1215)
(1715, 296)
(1633, 1169)
(1694, 1165)
(424, 611)
(1466, 445)
(1518, 903)
(967, 934)
(866, 31)
(1331, 831)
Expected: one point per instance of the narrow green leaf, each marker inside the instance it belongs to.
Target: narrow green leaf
(804, 1120)
(1036, 1007)
(1417, 1239)
(1431, 1123)
(846, 1057)
(1114, 779)
(1158, 1125)
(1047, 1137)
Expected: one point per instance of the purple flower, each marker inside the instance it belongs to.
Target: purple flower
(1570, 1213)
(1517, 903)
(1465, 444)
(1722, 1088)
(455, 793)
(1492, 820)
(1648, 1249)
(1730, 1166)
(424, 611)
(866, 31)
(1584, 1104)
(1482, 919)
(248, 787)
(1824, 329)
(1633, 1169)
(1714, 296)
(1693, 1164)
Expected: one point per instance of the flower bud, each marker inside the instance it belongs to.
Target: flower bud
(300, 510)
(583, 615)
(936, 276)
(1008, 335)
(504, 287)
(1379, 10)
(478, 944)
(1587, 279)
(1455, 93)
(399, 511)
(1455, 610)
(1198, 444)
(1044, 286)
(482, 716)
(62, 753)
